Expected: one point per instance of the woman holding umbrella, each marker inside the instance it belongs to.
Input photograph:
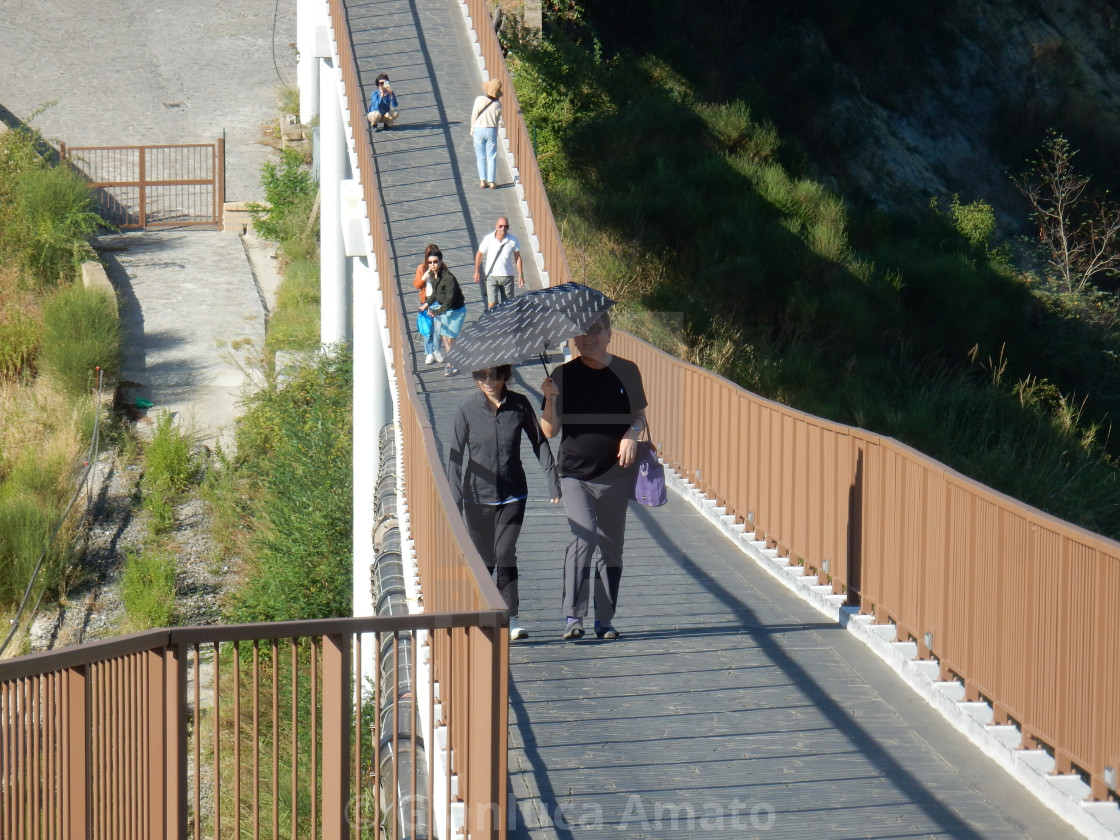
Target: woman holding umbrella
(487, 478)
(598, 404)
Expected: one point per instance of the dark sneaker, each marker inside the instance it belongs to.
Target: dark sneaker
(574, 630)
(605, 632)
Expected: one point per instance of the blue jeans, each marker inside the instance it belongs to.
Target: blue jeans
(431, 342)
(486, 152)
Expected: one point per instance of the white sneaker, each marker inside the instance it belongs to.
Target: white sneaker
(516, 631)
(439, 357)
(429, 359)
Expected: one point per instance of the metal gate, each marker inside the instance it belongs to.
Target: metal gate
(140, 187)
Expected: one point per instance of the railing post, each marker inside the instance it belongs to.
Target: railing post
(172, 717)
(161, 760)
(142, 165)
(77, 799)
(219, 164)
(487, 732)
(336, 736)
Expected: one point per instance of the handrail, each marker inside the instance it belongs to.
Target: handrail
(452, 574)
(1017, 605)
(909, 540)
(165, 732)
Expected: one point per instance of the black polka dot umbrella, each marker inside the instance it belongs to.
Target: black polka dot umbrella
(532, 324)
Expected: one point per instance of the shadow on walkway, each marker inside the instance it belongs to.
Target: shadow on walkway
(728, 708)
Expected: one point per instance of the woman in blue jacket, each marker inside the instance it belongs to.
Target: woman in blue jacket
(488, 480)
(382, 104)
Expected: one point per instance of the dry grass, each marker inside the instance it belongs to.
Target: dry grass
(38, 418)
(20, 325)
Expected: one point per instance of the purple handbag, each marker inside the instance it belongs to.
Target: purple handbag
(649, 483)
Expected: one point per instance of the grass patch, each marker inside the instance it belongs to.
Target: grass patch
(41, 444)
(20, 333)
(81, 332)
(296, 441)
(25, 529)
(295, 323)
(288, 217)
(148, 589)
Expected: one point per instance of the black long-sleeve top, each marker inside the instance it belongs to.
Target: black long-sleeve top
(484, 466)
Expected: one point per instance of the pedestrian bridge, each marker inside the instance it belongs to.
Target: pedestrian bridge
(824, 633)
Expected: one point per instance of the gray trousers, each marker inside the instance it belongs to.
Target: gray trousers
(499, 288)
(596, 512)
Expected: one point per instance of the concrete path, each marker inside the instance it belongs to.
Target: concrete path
(135, 72)
(194, 322)
(728, 708)
(194, 302)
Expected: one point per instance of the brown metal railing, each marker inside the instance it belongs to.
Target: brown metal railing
(245, 730)
(453, 576)
(137, 187)
(1019, 606)
(114, 739)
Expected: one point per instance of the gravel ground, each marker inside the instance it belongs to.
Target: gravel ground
(93, 608)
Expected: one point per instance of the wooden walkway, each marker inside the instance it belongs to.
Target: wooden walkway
(729, 708)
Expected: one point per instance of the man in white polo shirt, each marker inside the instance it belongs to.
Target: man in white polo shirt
(498, 259)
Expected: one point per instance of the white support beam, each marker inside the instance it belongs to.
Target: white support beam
(334, 166)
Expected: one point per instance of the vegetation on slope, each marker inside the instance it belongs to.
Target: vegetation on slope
(285, 502)
(914, 323)
(54, 335)
(295, 440)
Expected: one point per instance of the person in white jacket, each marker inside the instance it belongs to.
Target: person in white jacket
(485, 117)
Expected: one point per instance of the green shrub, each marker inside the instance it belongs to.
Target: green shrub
(297, 443)
(161, 513)
(290, 195)
(51, 219)
(168, 471)
(81, 331)
(148, 589)
(168, 464)
(976, 222)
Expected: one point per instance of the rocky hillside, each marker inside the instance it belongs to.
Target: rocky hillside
(895, 101)
(960, 107)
